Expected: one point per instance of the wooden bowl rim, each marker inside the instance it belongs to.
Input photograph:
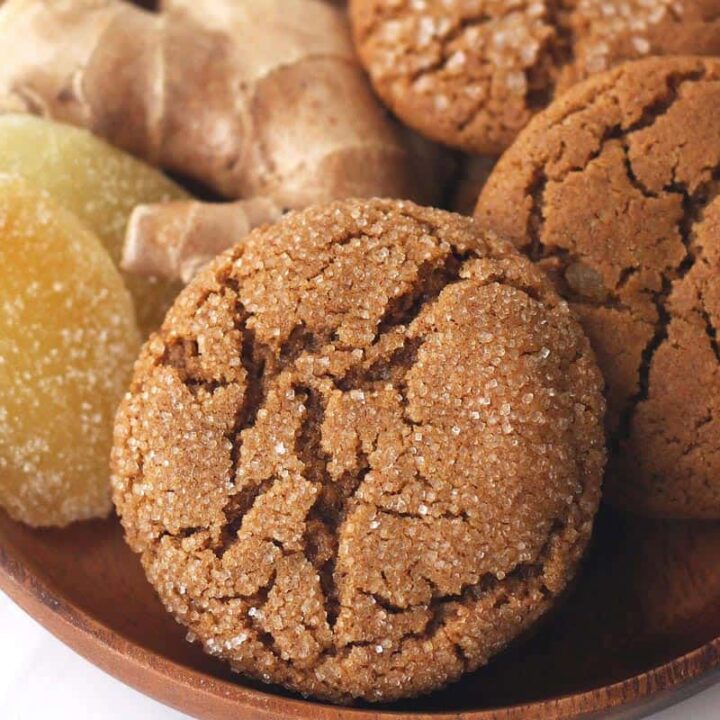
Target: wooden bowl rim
(72, 625)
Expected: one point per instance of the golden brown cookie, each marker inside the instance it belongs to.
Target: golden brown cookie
(471, 73)
(364, 452)
(614, 191)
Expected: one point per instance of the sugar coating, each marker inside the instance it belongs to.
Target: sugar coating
(363, 453)
(614, 191)
(99, 184)
(606, 33)
(471, 73)
(67, 343)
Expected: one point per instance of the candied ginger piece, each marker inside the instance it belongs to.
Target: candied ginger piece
(68, 338)
(98, 183)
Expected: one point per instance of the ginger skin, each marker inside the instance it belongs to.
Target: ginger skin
(175, 240)
(294, 121)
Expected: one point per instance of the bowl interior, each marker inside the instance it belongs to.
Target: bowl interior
(648, 592)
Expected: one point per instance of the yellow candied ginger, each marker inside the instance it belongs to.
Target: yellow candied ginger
(68, 338)
(99, 184)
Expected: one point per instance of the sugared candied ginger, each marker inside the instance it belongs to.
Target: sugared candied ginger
(67, 342)
(99, 184)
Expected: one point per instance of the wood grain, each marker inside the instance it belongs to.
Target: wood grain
(641, 628)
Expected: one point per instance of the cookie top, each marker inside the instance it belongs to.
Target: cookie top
(471, 73)
(364, 451)
(614, 191)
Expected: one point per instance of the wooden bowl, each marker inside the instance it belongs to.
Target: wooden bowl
(640, 629)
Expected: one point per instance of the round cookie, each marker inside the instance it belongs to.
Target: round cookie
(602, 34)
(614, 191)
(471, 73)
(364, 451)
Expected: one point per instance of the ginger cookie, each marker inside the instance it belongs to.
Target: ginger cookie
(364, 451)
(472, 73)
(614, 191)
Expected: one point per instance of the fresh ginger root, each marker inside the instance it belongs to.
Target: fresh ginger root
(99, 184)
(175, 240)
(270, 103)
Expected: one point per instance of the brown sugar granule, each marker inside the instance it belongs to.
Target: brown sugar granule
(364, 451)
(614, 191)
(471, 73)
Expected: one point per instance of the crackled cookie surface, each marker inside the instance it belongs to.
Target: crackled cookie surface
(364, 452)
(614, 191)
(471, 73)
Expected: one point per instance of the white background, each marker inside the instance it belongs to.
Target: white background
(41, 678)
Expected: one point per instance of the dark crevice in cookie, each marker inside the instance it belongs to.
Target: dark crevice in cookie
(255, 616)
(391, 369)
(254, 363)
(633, 178)
(487, 584)
(673, 82)
(431, 281)
(308, 444)
(384, 603)
(184, 532)
(196, 388)
(693, 208)
(626, 275)
(536, 220)
(536, 190)
(253, 359)
(419, 516)
(659, 336)
(235, 510)
(298, 342)
(330, 512)
(327, 512)
(183, 356)
(179, 353)
(321, 547)
(441, 606)
(711, 332)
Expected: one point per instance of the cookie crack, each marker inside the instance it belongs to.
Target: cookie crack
(235, 510)
(536, 221)
(256, 614)
(392, 368)
(440, 606)
(711, 332)
(432, 280)
(255, 392)
(539, 74)
(694, 205)
(329, 508)
(537, 188)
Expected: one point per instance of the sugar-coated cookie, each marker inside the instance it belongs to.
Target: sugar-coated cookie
(364, 452)
(471, 73)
